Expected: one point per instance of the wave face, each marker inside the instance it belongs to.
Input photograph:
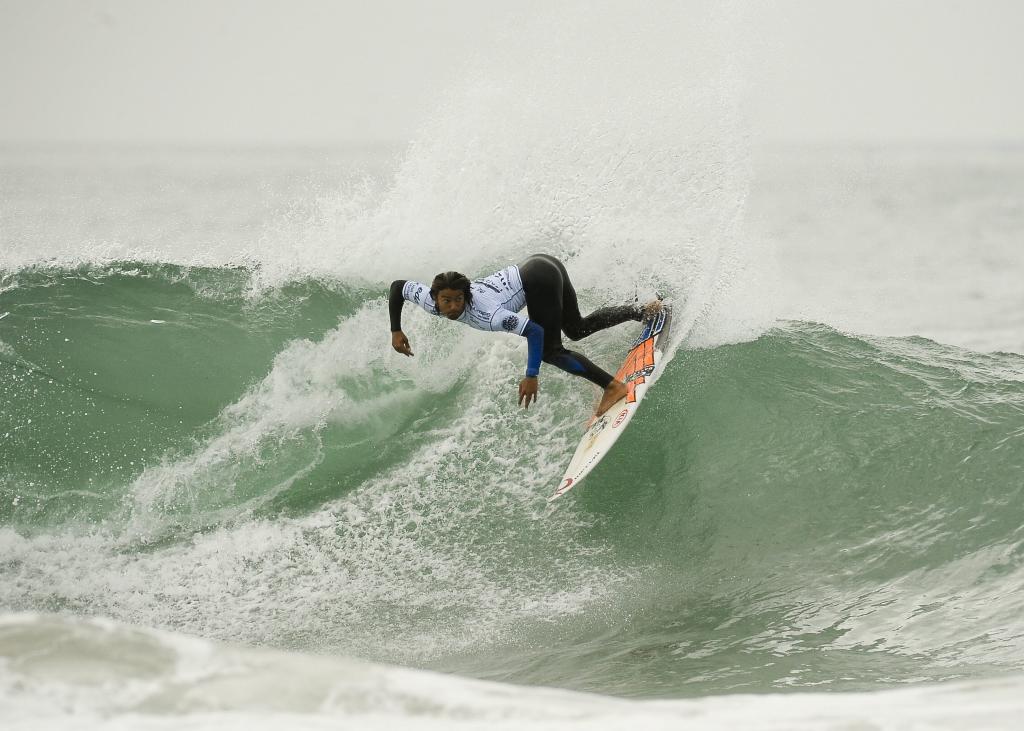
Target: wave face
(801, 510)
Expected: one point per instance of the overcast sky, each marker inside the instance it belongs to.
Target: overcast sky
(335, 70)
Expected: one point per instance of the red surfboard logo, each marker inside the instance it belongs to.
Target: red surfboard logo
(620, 418)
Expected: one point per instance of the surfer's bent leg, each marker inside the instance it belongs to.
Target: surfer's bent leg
(544, 279)
(600, 319)
(578, 327)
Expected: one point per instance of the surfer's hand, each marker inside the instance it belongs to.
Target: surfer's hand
(528, 391)
(400, 343)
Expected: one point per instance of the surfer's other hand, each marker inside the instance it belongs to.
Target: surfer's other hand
(400, 343)
(528, 391)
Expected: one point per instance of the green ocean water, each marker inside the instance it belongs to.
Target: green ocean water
(806, 510)
(111, 367)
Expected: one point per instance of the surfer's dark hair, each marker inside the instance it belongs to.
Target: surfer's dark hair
(450, 280)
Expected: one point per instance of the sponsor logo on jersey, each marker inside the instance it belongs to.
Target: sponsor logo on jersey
(510, 323)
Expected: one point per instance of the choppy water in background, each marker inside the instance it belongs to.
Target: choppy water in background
(899, 239)
(221, 494)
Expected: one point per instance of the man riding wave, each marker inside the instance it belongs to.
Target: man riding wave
(541, 285)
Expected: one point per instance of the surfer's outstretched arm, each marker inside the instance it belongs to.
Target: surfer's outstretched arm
(395, 301)
(528, 387)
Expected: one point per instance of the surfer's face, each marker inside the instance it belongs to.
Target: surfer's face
(451, 303)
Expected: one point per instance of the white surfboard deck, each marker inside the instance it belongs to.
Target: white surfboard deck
(640, 369)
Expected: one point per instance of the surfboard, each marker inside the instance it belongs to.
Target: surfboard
(640, 369)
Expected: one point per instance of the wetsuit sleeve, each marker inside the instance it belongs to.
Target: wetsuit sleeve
(416, 292)
(395, 302)
(534, 335)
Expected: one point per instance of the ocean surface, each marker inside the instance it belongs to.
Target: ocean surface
(224, 501)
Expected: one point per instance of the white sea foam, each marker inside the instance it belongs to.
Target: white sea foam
(95, 674)
(613, 140)
(427, 531)
(612, 137)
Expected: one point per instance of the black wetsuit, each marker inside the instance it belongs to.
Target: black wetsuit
(551, 303)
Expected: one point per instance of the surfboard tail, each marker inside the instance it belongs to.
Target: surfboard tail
(638, 372)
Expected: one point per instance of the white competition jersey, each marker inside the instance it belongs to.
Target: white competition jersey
(494, 306)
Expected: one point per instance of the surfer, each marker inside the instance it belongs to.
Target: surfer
(541, 284)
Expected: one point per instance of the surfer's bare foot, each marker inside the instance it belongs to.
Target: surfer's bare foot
(615, 392)
(651, 309)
